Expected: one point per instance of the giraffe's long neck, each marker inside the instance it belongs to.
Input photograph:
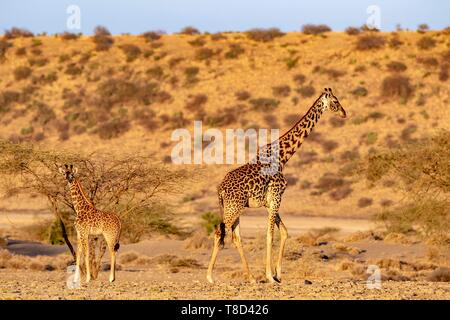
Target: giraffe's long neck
(291, 141)
(80, 201)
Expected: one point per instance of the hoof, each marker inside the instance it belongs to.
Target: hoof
(252, 280)
(277, 280)
(112, 280)
(210, 280)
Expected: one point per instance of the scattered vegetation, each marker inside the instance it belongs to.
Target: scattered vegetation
(14, 33)
(264, 35)
(396, 66)
(131, 51)
(426, 43)
(315, 29)
(370, 42)
(189, 30)
(102, 39)
(21, 73)
(264, 104)
(397, 86)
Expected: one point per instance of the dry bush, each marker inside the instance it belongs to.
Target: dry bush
(315, 29)
(102, 39)
(422, 28)
(36, 51)
(443, 73)
(14, 33)
(329, 145)
(264, 35)
(191, 75)
(151, 36)
(397, 86)
(234, 51)
(189, 30)
(131, 186)
(306, 91)
(352, 31)
(426, 43)
(364, 202)
(360, 91)
(198, 42)
(395, 42)
(428, 61)
(242, 95)
(218, 36)
(113, 128)
(204, 54)
(128, 257)
(39, 62)
(38, 263)
(329, 181)
(73, 69)
(341, 192)
(69, 36)
(264, 104)
(155, 72)
(21, 73)
(396, 66)
(131, 51)
(281, 91)
(196, 102)
(337, 122)
(340, 247)
(299, 78)
(406, 134)
(316, 237)
(441, 274)
(4, 46)
(370, 42)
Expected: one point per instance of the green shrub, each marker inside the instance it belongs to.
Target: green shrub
(210, 220)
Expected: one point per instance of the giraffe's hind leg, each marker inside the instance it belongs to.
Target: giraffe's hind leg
(237, 242)
(113, 245)
(218, 238)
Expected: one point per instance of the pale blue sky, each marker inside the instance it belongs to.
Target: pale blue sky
(133, 16)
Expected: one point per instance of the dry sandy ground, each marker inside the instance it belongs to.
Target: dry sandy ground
(191, 285)
(151, 276)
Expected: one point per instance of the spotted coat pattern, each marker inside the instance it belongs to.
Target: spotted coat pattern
(250, 186)
(91, 221)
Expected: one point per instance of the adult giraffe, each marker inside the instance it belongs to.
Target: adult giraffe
(252, 185)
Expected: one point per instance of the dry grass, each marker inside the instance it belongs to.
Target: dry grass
(38, 263)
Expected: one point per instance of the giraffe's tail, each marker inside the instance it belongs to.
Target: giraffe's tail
(222, 234)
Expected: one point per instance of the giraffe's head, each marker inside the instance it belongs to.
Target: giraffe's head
(332, 103)
(68, 171)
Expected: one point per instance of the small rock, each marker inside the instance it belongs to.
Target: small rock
(308, 282)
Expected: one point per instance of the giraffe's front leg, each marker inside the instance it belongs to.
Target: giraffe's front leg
(270, 228)
(86, 248)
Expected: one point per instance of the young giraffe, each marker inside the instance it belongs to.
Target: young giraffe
(250, 186)
(91, 221)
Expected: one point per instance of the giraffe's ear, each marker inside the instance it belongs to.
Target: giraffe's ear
(75, 170)
(61, 170)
